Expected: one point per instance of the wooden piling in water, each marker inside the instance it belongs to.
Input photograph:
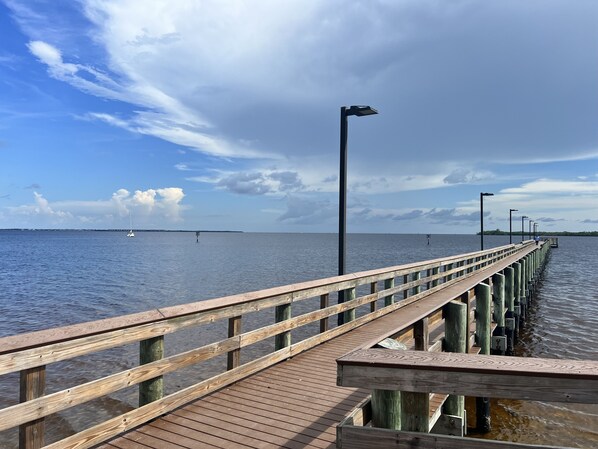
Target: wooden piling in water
(388, 300)
(151, 350)
(483, 339)
(498, 299)
(349, 314)
(282, 313)
(455, 340)
(510, 308)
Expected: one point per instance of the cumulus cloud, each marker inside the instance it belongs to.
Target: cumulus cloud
(146, 206)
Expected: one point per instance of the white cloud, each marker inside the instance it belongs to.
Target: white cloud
(147, 207)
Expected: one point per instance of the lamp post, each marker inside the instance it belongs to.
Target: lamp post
(482, 195)
(511, 224)
(358, 111)
(530, 228)
(523, 217)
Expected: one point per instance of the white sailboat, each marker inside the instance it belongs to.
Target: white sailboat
(130, 233)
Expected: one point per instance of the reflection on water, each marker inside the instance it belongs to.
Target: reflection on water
(49, 279)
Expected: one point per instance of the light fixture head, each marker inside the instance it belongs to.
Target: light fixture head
(360, 111)
(487, 194)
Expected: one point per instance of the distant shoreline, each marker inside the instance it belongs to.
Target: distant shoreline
(546, 234)
(113, 230)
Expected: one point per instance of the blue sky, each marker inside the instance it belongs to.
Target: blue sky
(225, 114)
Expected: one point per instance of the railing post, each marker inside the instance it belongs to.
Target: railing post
(434, 273)
(405, 281)
(373, 289)
(32, 386)
(448, 277)
(389, 283)
(455, 340)
(282, 340)
(233, 358)
(151, 350)
(416, 277)
(483, 328)
(324, 302)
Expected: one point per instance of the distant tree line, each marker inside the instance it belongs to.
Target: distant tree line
(545, 234)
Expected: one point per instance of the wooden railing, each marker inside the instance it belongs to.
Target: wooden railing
(418, 372)
(368, 295)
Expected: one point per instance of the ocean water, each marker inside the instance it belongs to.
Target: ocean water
(54, 278)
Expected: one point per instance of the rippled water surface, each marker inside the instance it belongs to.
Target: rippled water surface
(53, 278)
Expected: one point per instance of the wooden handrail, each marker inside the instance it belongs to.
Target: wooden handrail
(19, 342)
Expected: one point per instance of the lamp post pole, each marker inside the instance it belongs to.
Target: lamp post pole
(358, 111)
(523, 217)
(511, 224)
(530, 228)
(482, 195)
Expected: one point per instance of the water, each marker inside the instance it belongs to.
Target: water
(54, 278)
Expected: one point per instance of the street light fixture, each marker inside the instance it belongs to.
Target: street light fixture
(523, 217)
(482, 195)
(359, 111)
(511, 224)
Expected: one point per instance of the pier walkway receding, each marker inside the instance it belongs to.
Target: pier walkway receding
(288, 397)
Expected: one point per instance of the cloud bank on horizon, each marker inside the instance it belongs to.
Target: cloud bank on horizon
(244, 98)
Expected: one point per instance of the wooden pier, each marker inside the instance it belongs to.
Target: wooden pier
(288, 397)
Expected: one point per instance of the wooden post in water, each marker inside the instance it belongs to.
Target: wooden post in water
(510, 307)
(349, 314)
(448, 277)
(405, 281)
(415, 413)
(151, 350)
(233, 358)
(386, 409)
(389, 283)
(483, 338)
(523, 286)
(32, 386)
(455, 340)
(498, 284)
(434, 273)
(517, 267)
(416, 277)
(282, 313)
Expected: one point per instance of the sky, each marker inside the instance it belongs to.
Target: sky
(225, 115)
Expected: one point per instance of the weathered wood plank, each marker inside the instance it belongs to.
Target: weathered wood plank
(488, 376)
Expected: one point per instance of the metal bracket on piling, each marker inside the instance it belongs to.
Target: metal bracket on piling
(499, 342)
(510, 323)
(517, 310)
(449, 425)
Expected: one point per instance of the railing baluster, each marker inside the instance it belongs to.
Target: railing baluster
(32, 386)
(233, 358)
(373, 289)
(282, 340)
(324, 302)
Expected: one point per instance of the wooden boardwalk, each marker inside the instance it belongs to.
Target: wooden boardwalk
(293, 404)
(287, 397)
